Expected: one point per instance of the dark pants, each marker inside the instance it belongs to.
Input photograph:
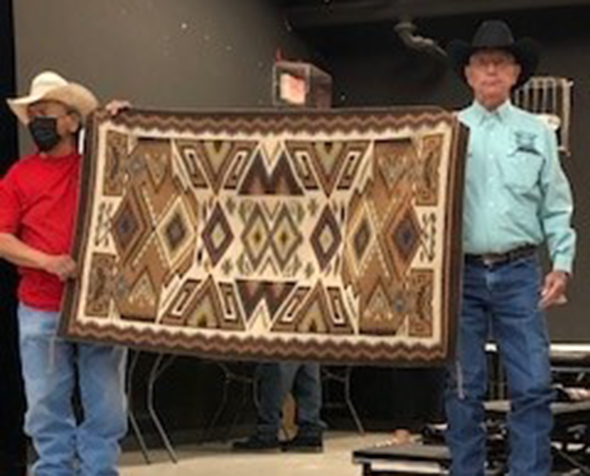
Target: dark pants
(276, 381)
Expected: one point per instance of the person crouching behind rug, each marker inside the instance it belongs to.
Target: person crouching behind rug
(38, 200)
(516, 198)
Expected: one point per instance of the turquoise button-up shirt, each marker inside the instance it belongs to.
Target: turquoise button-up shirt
(516, 192)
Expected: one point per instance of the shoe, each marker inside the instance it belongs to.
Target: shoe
(305, 444)
(257, 443)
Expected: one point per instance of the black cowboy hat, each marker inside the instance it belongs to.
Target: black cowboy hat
(495, 34)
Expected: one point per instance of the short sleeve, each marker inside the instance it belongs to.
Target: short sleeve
(10, 204)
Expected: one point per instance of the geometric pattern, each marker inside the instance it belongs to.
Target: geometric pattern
(327, 158)
(217, 235)
(270, 232)
(326, 238)
(268, 235)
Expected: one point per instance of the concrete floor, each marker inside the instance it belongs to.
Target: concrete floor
(217, 459)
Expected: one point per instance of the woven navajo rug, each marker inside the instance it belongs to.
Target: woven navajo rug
(326, 236)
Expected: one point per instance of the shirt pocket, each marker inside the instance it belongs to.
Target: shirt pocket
(522, 171)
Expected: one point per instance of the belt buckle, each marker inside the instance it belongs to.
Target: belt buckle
(490, 260)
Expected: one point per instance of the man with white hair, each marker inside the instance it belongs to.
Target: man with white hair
(38, 202)
(517, 198)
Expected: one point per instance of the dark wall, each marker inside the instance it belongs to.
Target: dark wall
(8, 143)
(372, 67)
(12, 441)
(173, 54)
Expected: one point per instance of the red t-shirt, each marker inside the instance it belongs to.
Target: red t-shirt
(38, 200)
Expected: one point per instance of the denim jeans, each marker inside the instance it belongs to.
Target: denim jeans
(277, 379)
(503, 299)
(50, 366)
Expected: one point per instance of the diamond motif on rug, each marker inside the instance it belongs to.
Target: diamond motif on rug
(217, 235)
(129, 225)
(326, 238)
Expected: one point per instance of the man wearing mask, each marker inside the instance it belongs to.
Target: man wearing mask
(516, 198)
(38, 200)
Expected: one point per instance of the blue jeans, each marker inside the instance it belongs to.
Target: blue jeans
(50, 366)
(503, 299)
(277, 379)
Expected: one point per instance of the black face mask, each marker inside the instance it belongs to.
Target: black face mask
(44, 132)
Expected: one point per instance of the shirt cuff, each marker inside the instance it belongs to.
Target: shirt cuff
(563, 263)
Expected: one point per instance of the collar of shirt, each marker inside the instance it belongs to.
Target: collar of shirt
(481, 115)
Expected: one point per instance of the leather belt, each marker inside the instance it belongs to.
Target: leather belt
(494, 259)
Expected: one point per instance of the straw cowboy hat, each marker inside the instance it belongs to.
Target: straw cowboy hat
(51, 86)
(495, 34)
